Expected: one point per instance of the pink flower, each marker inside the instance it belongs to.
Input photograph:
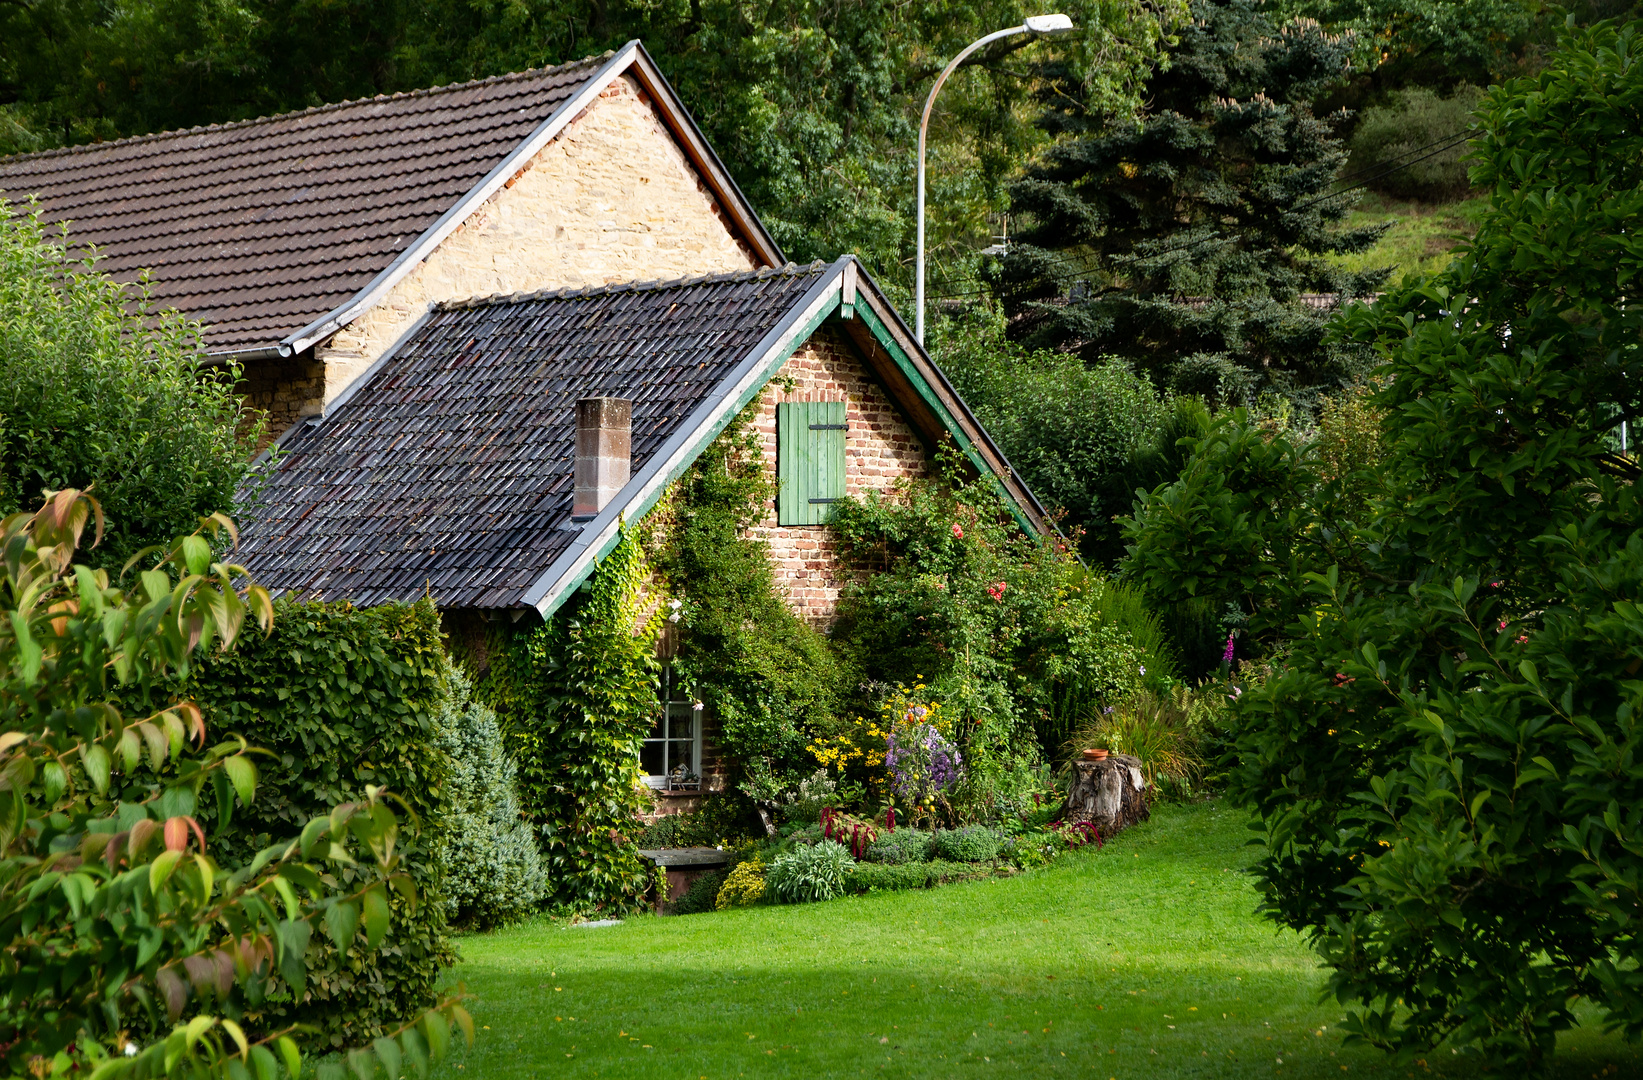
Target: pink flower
(958, 531)
(996, 590)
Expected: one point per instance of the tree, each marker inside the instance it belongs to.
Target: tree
(814, 106)
(99, 391)
(1182, 242)
(113, 915)
(1444, 754)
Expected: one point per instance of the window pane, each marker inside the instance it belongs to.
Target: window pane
(681, 723)
(651, 759)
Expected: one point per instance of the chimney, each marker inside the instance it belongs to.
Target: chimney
(604, 453)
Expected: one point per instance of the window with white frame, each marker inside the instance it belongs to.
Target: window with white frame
(671, 757)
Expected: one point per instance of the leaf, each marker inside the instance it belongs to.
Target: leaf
(97, 765)
(417, 1050)
(242, 771)
(264, 1063)
(438, 1034)
(341, 923)
(1547, 765)
(293, 937)
(363, 1065)
(197, 1028)
(29, 654)
(237, 1035)
(159, 871)
(463, 1021)
(387, 1051)
(1530, 674)
(376, 915)
(291, 1055)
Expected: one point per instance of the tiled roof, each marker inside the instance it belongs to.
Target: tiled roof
(258, 228)
(449, 470)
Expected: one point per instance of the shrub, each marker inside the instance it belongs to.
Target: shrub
(887, 877)
(576, 696)
(810, 873)
(900, 847)
(702, 895)
(744, 886)
(116, 913)
(100, 391)
(804, 804)
(1416, 123)
(723, 817)
(345, 700)
(971, 844)
(491, 866)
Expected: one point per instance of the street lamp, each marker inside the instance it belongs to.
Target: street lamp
(1038, 26)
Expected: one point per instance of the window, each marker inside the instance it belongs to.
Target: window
(674, 746)
(809, 460)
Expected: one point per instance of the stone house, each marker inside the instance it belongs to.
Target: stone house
(493, 322)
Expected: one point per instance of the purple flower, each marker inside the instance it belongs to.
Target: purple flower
(1226, 657)
(921, 761)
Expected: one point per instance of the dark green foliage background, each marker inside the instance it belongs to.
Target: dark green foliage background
(342, 698)
(1184, 237)
(1445, 756)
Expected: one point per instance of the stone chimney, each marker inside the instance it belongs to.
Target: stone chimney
(604, 453)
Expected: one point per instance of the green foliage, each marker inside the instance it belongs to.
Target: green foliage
(100, 391)
(1426, 42)
(768, 676)
(1166, 729)
(1007, 631)
(346, 701)
(1444, 761)
(898, 877)
(578, 695)
(970, 844)
(1410, 128)
(725, 816)
(744, 886)
(114, 918)
(702, 894)
(809, 873)
(901, 846)
(489, 862)
(1082, 437)
(813, 105)
(1184, 240)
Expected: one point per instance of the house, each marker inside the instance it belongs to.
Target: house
(307, 243)
(472, 411)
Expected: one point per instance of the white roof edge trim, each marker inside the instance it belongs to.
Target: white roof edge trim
(778, 344)
(464, 207)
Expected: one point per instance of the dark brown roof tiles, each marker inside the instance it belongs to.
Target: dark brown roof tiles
(258, 228)
(450, 469)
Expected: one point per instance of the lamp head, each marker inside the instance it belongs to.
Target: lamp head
(1049, 25)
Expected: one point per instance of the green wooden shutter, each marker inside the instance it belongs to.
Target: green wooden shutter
(809, 460)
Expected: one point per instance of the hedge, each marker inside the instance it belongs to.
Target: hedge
(890, 877)
(342, 699)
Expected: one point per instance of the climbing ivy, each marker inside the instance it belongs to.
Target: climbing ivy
(578, 694)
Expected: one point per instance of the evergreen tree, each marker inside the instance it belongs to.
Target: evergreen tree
(1182, 240)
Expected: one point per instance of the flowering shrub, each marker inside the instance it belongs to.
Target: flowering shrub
(923, 763)
(901, 846)
(808, 874)
(744, 886)
(850, 831)
(973, 843)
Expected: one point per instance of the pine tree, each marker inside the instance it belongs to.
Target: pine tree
(1182, 239)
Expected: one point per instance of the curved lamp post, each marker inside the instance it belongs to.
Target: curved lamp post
(1038, 26)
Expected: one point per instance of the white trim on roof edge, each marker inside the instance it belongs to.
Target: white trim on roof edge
(436, 233)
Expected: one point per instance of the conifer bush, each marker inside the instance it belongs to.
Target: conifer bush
(492, 867)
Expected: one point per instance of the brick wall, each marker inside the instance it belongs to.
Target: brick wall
(880, 447)
(287, 389)
(612, 199)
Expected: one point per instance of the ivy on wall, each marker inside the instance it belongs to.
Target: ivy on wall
(577, 695)
(344, 699)
(768, 676)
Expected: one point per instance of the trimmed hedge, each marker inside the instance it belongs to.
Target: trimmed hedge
(342, 698)
(891, 877)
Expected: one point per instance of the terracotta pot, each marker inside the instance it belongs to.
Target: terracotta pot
(1095, 754)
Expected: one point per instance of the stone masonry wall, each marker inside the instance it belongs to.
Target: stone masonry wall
(880, 447)
(612, 199)
(283, 388)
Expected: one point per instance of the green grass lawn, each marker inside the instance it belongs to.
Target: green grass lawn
(1421, 236)
(1142, 959)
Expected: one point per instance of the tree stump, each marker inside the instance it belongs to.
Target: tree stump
(1108, 794)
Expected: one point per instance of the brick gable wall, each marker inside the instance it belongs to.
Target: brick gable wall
(880, 448)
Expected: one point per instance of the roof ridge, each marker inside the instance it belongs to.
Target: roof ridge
(155, 136)
(789, 269)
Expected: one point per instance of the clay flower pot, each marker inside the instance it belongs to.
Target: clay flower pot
(1095, 754)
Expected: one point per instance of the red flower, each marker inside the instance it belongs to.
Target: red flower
(958, 530)
(996, 590)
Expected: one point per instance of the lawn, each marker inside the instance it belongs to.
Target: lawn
(1143, 959)
(1421, 237)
